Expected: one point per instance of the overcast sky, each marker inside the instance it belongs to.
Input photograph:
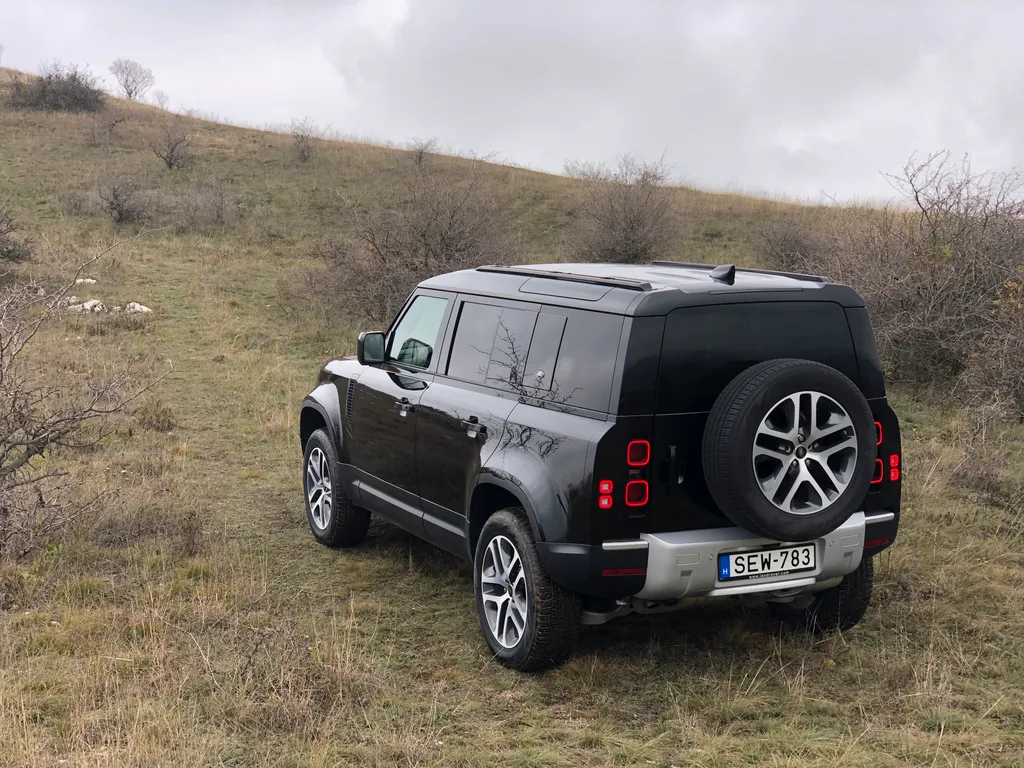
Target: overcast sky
(800, 98)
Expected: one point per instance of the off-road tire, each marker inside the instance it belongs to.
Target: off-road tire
(729, 440)
(554, 614)
(839, 608)
(348, 523)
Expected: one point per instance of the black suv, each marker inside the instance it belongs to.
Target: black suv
(600, 439)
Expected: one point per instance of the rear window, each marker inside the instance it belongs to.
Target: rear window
(491, 345)
(586, 359)
(705, 347)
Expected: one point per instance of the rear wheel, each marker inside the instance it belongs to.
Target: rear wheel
(529, 622)
(839, 608)
(334, 520)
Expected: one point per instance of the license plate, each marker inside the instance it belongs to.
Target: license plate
(766, 562)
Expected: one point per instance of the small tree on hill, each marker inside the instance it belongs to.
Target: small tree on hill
(173, 145)
(11, 247)
(161, 98)
(133, 78)
(306, 138)
(627, 213)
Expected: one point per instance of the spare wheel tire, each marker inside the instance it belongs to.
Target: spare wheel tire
(789, 449)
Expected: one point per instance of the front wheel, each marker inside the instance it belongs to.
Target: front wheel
(529, 622)
(334, 520)
(839, 608)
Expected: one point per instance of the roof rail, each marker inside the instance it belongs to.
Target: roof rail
(611, 282)
(712, 267)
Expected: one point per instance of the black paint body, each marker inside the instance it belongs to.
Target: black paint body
(648, 349)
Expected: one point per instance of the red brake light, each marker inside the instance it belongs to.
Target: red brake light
(636, 493)
(894, 460)
(876, 543)
(604, 502)
(638, 453)
(878, 433)
(894, 474)
(605, 486)
(879, 472)
(623, 571)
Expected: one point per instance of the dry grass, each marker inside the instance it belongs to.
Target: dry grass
(193, 621)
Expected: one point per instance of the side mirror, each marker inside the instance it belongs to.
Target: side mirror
(371, 348)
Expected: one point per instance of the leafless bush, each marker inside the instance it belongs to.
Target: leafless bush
(306, 137)
(102, 129)
(208, 206)
(122, 199)
(72, 202)
(161, 98)
(45, 412)
(421, 149)
(447, 220)
(133, 78)
(994, 376)
(173, 145)
(931, 273)
(12, 247)
(58, 88)
(627, 213)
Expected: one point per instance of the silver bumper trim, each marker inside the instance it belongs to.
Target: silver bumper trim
(879, 517)
(685, 563)
(624, 544)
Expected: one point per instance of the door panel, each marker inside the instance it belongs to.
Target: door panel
(458, 429)
(383, 447)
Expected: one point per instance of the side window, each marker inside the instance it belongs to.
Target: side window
(586, 360)
(414, 339)
(491, 345)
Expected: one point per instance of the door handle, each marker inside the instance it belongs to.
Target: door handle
(404, 407)
(473, 427)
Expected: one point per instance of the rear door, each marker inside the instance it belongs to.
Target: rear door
(462, 413)
(703, 349)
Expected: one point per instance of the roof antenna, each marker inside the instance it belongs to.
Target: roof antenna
(726, 273)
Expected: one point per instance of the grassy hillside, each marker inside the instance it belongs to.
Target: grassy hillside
(192, 620)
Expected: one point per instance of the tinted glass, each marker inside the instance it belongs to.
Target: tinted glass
(511, 348)
(706, 347)
(474, 340)
(547, 338)
(415, 337)
(491, 345)
(586, 360)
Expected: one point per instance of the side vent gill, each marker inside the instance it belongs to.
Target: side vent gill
(350, 397)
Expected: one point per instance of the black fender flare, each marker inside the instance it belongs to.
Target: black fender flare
(324, 401)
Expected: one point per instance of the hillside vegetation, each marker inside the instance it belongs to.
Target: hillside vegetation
(185, 616)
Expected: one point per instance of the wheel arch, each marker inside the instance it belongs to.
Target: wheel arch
(492, 494)
(320, 410)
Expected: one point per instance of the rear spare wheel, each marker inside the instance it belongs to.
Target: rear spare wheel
(789, 449)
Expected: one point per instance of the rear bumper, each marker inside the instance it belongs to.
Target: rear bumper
(669, 566)
(685, 563)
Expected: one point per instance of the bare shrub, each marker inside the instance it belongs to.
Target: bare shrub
(930, 273)
(12, 247)
(47, 410)
(208, 206)
(122, 199)
(421, 149)
(627, 213)
(162, 99)
(306, 138)
(57, 88)
(447, 220)
(133, 78)
(994, 376)
(72, 202)
(173, 145)
(102, 129)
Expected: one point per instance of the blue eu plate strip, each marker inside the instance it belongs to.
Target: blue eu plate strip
(723, 566)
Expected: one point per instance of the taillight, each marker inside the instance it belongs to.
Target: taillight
(636, 493)
(879, 472)
(638, 453)
(604, 502)
(894, 467)
(605, 486)
(894, 460)
(878, 433)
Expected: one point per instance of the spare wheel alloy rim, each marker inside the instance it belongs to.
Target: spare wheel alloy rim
(503, 590)
(805, 453)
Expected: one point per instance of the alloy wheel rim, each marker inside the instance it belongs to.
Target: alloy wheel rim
(318, 488)
(805, 453)
(504, 591)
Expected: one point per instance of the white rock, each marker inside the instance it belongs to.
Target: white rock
(85, 281)
(134, 308)
(92, 305)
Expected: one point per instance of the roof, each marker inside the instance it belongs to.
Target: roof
(641, 289)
